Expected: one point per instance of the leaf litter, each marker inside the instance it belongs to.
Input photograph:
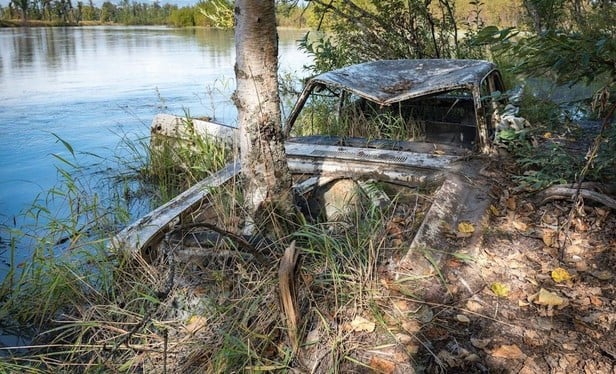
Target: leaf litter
(534, 298)
(527, 297)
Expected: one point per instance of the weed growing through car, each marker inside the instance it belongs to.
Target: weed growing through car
(175, 164)
(200, 308)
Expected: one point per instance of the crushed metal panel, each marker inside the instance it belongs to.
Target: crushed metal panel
(390, 81)
(362, 170)
(374, 156)
(464, 196)
(171, 126)
(398, 166)
(149, 228)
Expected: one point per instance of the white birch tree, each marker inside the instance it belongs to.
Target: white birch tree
(267, 180)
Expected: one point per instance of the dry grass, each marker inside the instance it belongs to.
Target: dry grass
(212, 307)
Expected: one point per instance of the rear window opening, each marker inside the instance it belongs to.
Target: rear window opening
(447, 118)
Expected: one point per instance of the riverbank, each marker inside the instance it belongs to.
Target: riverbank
(527, 296)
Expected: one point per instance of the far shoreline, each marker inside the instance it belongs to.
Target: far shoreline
(39, 23)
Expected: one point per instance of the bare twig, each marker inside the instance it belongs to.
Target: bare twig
(590, 158)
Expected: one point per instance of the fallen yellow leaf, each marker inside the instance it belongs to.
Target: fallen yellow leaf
(508, 351)
(500, 289)
(494, 210)
(361, 324)
(547, 135)
(545, 297)
(466, 227)
(560, 275)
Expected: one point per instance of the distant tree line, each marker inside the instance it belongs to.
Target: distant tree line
(206, 13)
(219, 13)
(70, 12)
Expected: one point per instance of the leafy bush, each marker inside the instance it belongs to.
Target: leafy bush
(374, 29)
(182, 17)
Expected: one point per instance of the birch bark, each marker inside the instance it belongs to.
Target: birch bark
(267, 180)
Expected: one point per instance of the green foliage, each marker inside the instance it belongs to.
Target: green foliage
(362, 30)
(547, 165)
(604, 167)
(544, 14)
(570, 46)
(218, 12)
(182, 17)
(325, 53)
(473, 25)
(291, 14)
(206, 13)
(554, 149)
(581, 48)
(65, 234)
(503, 13)
(374, 29)
(90, 309)
(74, 286)
(569, 58)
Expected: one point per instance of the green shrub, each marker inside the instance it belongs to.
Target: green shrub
(182, 17)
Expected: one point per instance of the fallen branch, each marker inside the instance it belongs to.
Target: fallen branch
(288, 300)
(561, 192)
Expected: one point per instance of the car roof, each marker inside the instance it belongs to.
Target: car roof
(390, 81)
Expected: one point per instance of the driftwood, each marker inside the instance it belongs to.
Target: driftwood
(561, 192)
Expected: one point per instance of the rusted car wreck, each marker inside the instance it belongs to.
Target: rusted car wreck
(410, 122)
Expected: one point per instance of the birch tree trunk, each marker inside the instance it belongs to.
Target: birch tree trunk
(267, 180)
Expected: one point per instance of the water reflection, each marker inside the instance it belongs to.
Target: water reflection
(50, 61)
(83, 84)
(23, 51)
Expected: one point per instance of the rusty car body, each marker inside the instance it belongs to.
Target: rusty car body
(407, 121)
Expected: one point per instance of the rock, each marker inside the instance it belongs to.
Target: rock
(336, 201)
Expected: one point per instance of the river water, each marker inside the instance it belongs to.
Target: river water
(89, 85)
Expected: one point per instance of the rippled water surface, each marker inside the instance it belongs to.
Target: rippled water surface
(86, 85)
